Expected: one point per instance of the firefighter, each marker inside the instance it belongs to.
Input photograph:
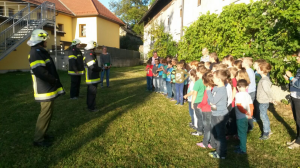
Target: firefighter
(76, 68)
(92, 71)
(46, 84)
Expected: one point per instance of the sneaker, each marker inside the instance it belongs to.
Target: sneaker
(215, 155)
(176, 103)
(191, 125)
(209, 146)
(95, 110)
(173, 99)
(239, 151)
(254, 120)
(200, 145)
(197, 133)
(74, 98)
(291, 143)
(264, 137)
(294, 146)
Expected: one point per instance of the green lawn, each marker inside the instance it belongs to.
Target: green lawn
(134, 128)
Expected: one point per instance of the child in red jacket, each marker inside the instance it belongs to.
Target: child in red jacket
(206, 110)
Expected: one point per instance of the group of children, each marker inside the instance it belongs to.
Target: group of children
(222, 96)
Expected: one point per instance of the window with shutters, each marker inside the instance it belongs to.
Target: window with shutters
(199, 2)
(82, 30)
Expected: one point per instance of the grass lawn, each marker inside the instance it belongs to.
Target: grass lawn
(134, 128)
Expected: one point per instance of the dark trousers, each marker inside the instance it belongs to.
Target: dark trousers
(242, 125)
(199, 116)
(43, 121)
(185, 89)
(295, 103)
(174, 91)
(75, 85)
(149, 83)
(231, 124)
(250, 120)
(218, 139)
(91, 96)
(179, 94)
(207, 127)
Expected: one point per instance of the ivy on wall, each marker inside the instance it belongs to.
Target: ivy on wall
(265, 29)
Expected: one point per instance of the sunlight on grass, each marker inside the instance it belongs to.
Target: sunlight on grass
(134, 128)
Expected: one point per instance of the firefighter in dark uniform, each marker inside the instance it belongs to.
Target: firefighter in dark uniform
(46, 84)
(92, 76)
(76, 68)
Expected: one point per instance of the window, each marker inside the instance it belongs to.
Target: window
(10, 12)
(199, 2)
(60, 27)
(1, 11)
(82, 30)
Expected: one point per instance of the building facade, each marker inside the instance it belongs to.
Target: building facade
(177, 14)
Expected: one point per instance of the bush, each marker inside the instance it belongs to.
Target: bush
(264, 29)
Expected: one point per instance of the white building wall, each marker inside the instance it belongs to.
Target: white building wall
(191, 13)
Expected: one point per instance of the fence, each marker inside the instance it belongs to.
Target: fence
(119, 58)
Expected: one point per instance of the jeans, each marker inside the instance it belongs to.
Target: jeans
(179, 90)
(156, 84)
(169, 89)
(159, 83)
(295, 103)
(164, 86)
(242, 127)
(263, 108)
(107, 76)
(149, 83)
(250, 121)
(191, 111)
(199, 115)
(207, 127)
(174, 91)
(218, 139)
(231, 124)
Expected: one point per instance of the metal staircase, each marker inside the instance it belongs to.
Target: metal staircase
(17, 28)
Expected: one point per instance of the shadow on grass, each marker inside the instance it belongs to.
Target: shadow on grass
(291, 132)
(69, 115)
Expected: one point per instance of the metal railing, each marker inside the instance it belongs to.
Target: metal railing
(21, 29)
(11, 19)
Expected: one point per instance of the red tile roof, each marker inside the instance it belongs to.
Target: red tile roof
(82, 8)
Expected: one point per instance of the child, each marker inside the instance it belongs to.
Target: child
(181, 76)
(206, 110)
(238, 64)
(247, 63)
(163, 88)
(229, 60)
(185, 87)
(218, 101)
(207, 65)
(149, 75)
(198, 92)
(243, 111)
(194, 64)
(213, 58)
(169, 58)
(193, 77)
(174, 63)
(156, 75)
(160, 80)
(264, 96)
(168, 80)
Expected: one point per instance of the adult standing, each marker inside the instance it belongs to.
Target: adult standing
(92, 74)
(76, 68)
(46, 84)
(105, 60)
(295, 102)
(154, 57)
(205, 53)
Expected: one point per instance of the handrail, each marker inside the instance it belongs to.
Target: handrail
(15, 16)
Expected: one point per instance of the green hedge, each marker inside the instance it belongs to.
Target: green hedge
(264, 29)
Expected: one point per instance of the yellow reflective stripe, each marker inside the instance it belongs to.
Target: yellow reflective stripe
(72, 57)
(47, 60)
(83, 58)
(34, 84)
(37, 63)
(45, 95)
(91, 63)
(28, 56)
(93, 80)
(73, 72)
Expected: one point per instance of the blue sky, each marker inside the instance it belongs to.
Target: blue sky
(105, 3)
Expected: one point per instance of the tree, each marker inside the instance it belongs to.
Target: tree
(130, 11)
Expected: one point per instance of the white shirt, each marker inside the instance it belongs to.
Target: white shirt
(205, 58)
(229, 94)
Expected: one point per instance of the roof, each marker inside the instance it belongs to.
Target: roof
(82, 8)
(129, 31)
(91, 7)
(155, 8)
(58, 5)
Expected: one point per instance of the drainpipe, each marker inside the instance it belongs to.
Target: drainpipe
(182, 9)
